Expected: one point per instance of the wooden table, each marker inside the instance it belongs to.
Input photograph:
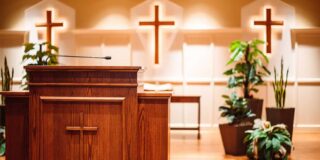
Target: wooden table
(188, 99)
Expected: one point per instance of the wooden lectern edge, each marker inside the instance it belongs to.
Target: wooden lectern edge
(83, 68)
(154, 95)
(86, 84)
(82, 99)
(14, 93)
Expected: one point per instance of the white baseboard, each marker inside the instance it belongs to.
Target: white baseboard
(207, 125)
(307, 126)
(190, 125)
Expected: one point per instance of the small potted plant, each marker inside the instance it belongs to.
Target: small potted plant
(267, 142)
(2, 141)
(6, 78)
(36, 54)
(238, 116)
(7, 83)
(280, 114)
(247, 71)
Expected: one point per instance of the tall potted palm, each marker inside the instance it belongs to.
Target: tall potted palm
(238, 116)
(280, 114)
(247, 71)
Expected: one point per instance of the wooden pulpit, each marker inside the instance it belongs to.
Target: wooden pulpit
(86, 112)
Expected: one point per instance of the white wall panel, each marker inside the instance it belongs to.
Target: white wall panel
(11, 46)
(207, 106)
(308, 105)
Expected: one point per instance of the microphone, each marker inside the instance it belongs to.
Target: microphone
(69, 56)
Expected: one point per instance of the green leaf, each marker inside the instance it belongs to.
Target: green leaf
(28, 47)
(254, 90)
(228, 72)
(262, 143)
(275, 145)
(54, 48)
(264, 56)
(268, 143)
(258, 62)
(225, 96)
(2, 149)
(266, 70)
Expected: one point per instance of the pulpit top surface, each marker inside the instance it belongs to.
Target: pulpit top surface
(82, 68)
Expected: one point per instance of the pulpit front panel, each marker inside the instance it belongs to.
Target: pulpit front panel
(82, 128)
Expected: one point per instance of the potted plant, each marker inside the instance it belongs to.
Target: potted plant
(6, 78)
(35, 54)
(280, 114)
(7, 83)
(247, 71)
(2, 141)
(238, 116)
(267, 142)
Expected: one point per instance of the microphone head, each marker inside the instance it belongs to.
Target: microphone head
(107, 57)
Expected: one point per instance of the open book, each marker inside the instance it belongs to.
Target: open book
(157, 87)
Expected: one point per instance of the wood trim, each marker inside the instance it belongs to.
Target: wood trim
(83, 68)
(312, 31)
(102, 31)
(81, 99)
(221, 83)
(205, 83)
(15, 82)
(9, 32)
(154, 95)
(315, 83)
(87, 84)
(15, 93)
(217, 31)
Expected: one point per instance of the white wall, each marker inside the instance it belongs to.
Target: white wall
(195, 60)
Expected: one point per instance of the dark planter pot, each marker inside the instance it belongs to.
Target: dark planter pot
(272, 155)
(284, 116)
(232, 138)
(256, 106)
(2, 115)
(278, 116)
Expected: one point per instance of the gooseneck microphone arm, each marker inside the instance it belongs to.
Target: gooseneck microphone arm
(69, 56)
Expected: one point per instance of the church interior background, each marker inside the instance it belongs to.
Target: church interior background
(189, 52)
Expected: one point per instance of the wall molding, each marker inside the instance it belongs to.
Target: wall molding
(300, 82)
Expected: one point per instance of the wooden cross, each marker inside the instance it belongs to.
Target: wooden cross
(156, 23)
(49, 25)
(82, 129)
(268, 23)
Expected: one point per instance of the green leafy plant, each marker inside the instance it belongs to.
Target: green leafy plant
(248, 67)
(236, 110)
(6, 78)
(280, 87)
(39, 54)
(266, 142)
(42, 56)
(2, 141)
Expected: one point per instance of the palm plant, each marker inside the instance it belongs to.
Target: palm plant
(266, 142)
(40, 57)
(248, 70)
(280, 87)
(236, 110)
